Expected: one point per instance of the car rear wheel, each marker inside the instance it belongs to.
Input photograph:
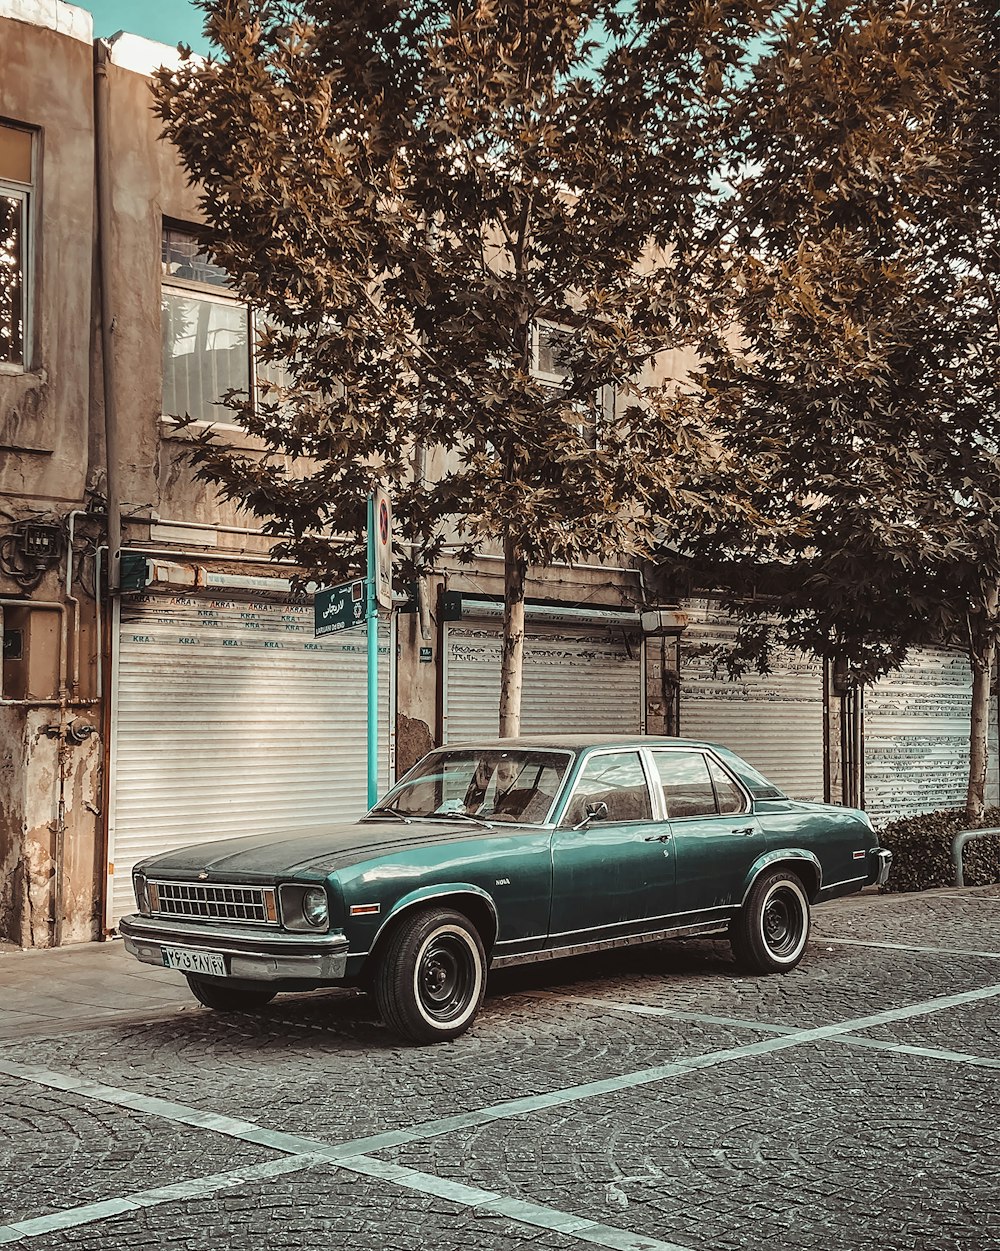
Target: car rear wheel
(431, 977)
(228, 998)
(770, 932)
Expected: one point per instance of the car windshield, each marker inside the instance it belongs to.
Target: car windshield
(491, 785)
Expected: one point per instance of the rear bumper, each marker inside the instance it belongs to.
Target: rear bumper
(879, 862)
(251, 955)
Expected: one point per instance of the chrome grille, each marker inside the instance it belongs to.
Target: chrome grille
(212, 902)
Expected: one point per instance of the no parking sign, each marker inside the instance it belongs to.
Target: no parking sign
(382, 540)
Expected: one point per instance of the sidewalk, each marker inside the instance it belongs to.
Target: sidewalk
(47, 991)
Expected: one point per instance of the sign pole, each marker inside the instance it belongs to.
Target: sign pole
(372, 620)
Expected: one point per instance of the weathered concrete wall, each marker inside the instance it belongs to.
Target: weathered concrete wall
(50, 786)
(46, 79)
(150, 186)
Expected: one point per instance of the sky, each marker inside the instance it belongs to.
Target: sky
(166, 21)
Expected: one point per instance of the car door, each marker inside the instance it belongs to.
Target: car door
(614, 875)
(716, 837)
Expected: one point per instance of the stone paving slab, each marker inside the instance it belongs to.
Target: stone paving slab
(319, 1210)
(571, 1116)
(305, 1079)
(966, 920)
(833, 981)
(70, 986)
(973, 1030)
(823, 1147)
(58, 1150)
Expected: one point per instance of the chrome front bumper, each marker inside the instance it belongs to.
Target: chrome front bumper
(251, 954)
(882, 857)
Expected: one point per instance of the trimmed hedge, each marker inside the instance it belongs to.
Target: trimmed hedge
(921, 850)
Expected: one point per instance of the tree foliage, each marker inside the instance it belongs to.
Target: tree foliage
(861, 373)
(406, 191)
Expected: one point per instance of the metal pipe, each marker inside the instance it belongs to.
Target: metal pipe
(98, 563)
(371, 616)
(74, 682)
(155, 520)
(102, 58)
(214, 554)
(957, 845)
(568, 564)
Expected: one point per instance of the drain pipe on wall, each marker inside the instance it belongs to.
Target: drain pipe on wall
(102, 58)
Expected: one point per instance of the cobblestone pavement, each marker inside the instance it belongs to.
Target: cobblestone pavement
(639, 1101)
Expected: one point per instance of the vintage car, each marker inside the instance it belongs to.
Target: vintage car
(500, 853)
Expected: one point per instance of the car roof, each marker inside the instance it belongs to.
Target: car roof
(758, 785)
(578, 742)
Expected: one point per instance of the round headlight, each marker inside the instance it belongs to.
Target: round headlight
(315, 908)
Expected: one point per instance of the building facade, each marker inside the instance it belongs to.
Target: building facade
(161, 683)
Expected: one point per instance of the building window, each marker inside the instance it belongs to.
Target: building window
(551, 363)
(209, 336)
(206, 332)
(16, 169)
(550, 345)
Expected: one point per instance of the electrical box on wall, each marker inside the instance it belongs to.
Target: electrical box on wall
(38, 541)
(30, 653)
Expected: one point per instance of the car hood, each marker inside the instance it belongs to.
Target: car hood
(323, 850)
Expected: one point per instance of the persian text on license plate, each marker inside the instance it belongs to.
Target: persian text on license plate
(209, 962)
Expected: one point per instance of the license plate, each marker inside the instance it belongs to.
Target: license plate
(209, 962)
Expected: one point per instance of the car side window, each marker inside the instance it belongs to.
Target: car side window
(687, 783)
(730, 797)
(616, 779)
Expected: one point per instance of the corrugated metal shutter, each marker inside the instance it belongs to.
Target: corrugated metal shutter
(577, 679)
(231, 718)
(916, 735)
(773, 721)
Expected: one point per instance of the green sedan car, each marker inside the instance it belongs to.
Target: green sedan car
(501, 853)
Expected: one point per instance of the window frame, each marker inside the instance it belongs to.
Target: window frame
(655, 799)
(707, 756)
(222, 294)
(27, 193)
(216, 293)
(548, 376)
(606, 395)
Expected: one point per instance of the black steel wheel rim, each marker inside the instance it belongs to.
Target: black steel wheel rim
(782, 922)
(446, 978)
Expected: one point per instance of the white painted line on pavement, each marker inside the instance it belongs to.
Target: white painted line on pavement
(704, 1018)
(307, 1153)
(929, 1053)
(937, 951)
(86, 1214)
(536, 1215)
(646, 1009)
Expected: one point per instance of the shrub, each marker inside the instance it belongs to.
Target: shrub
(921, 850)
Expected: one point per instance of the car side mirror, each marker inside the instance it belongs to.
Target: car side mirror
(597, 810)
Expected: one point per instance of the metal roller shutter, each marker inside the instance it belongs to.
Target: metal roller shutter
(916, 735)
(577, 679)
(231, 718)
(774, 721)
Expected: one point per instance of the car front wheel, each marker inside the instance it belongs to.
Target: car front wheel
(228, 998)
(770, 932)
(431, 978)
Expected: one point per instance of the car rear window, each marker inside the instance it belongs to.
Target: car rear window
(758, 785)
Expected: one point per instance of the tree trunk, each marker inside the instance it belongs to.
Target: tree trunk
(512, 661)
(982, 653)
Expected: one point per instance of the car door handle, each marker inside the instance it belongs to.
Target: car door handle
(746, 829)
(657, 838)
